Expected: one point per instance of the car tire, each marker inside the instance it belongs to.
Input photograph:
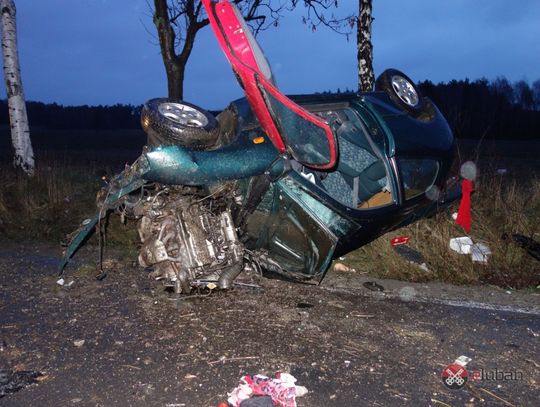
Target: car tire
(172, 122)
(404, 93)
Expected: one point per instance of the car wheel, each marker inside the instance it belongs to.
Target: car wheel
(403, 92)
(170, 122)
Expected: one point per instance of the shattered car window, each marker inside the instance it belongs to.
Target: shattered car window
(308, 142)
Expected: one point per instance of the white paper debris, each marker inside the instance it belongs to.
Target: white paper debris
(462, 360)
(480, 253)
(461, 245)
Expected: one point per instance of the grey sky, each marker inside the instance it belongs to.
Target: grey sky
(105, 52)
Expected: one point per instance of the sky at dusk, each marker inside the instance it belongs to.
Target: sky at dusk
(92, 52)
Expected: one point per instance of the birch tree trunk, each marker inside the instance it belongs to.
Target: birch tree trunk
(366, 78)
(20, 133)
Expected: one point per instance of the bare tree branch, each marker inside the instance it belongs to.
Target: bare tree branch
(178, 22)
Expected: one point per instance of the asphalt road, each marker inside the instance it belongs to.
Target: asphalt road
(125, 341)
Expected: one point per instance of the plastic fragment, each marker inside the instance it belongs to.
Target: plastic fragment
(399, 240)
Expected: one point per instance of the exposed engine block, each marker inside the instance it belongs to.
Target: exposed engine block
(188, 240)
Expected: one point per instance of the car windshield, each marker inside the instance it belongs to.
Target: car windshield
(307, 141)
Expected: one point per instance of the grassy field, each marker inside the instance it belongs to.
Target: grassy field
(62, 193)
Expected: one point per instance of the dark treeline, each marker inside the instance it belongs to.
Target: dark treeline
(492, 109)
(495, 110)
(57, 117)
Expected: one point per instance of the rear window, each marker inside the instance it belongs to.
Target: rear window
(417, 175)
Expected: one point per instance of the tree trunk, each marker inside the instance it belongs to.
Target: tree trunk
(20, 133)
(175, 64)
(366, 78)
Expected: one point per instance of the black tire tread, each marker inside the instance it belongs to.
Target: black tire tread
(383, 83)
(162, 131)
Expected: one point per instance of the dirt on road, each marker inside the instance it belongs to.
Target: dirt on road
(126, 341)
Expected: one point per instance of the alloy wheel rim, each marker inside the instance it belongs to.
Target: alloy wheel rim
(405, 90)
(183, 114)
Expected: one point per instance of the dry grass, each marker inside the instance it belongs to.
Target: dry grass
(62, 193)
(500, 205)
(46, 205)
(51, 204)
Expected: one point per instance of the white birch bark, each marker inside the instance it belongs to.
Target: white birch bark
(20, 133)
(366, 78)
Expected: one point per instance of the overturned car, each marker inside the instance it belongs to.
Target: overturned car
(284, 184)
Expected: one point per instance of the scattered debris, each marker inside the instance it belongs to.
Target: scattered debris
(502, 171)
(11, 381)
(79, 343)
(440, 402)
(462, 360)
(359, 315)
(479, 252)
(535, 334)
(461, 245)
(247, 285)
(373, 286)
(399, 240)
(530, 245)
(63, 283)
(533, 362)
(411, 255)
(507, 403)
(340, 267)
(280, 391)
(224, 359)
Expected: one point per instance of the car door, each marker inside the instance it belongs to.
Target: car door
(292, 129)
